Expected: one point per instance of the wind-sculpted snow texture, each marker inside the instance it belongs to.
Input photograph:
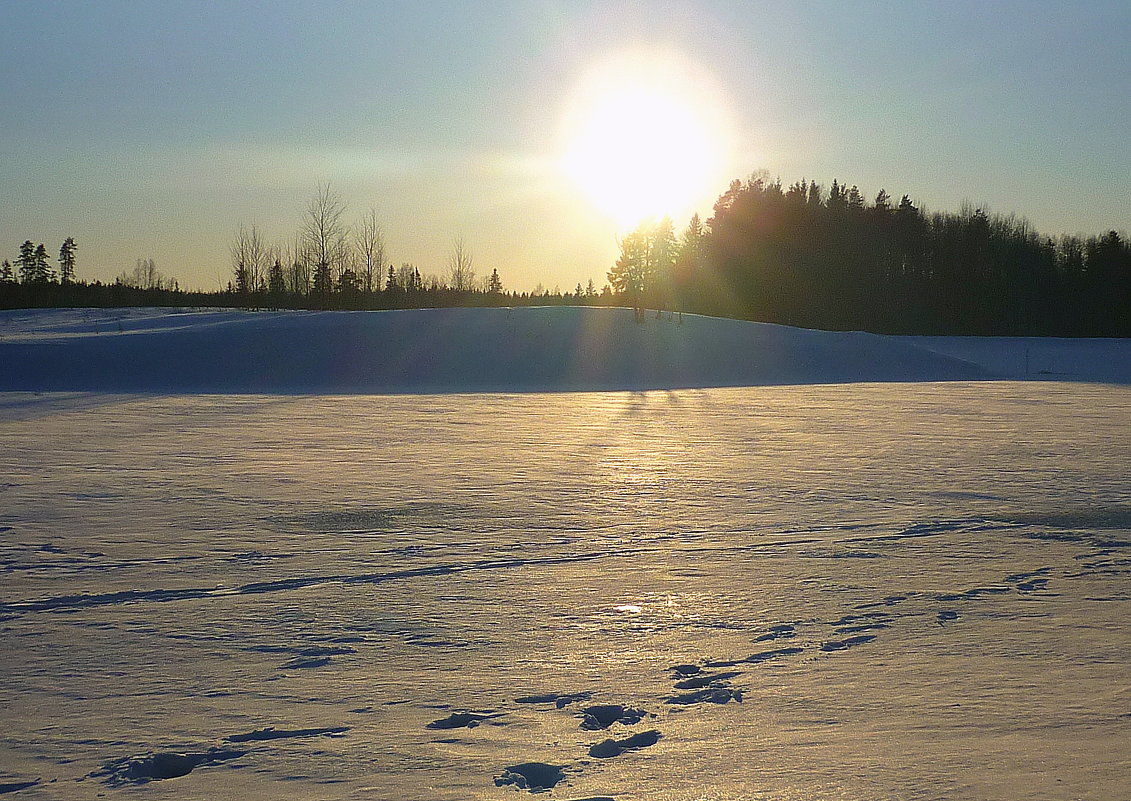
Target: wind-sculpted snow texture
(881, 591)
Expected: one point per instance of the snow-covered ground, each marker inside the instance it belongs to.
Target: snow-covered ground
(913, 588)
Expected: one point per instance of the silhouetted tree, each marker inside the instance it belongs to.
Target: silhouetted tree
(67, 261)
(495, 284)
(26, 262)
(41, 266)
(324, 237)
(370, 240)
(145, 275)
(628, 275)
(276, 283)
(250, 258)
(460, 271)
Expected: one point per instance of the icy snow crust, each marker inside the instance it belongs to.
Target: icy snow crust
(830, 591)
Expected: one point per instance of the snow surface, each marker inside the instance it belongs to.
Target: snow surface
(523, 349)
(829, 590)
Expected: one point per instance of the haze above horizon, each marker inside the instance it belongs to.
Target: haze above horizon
(538, 132)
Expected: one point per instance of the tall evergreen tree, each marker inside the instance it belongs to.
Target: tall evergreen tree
(67, 261)
(276, 283)
(7, 276)
(25, 262)
(43, 273)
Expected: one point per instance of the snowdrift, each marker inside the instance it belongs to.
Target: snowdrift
(441, 350)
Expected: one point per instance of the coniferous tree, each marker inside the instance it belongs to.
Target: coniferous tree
(43, 274)
(276, 283)
(67, 261)
(495, 284)
(7, 276)
(25, 262)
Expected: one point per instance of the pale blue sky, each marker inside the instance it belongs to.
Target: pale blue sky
(153, 129)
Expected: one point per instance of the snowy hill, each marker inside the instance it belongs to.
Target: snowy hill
(456, 350)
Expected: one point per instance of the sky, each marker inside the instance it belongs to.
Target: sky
(154, 129)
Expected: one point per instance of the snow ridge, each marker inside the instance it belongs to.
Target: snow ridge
(439, 350)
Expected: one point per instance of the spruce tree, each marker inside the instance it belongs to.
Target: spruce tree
(67, 261)
(26, 262)
(43, 274)
(276, 284)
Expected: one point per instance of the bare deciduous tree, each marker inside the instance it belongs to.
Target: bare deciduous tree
(250, 260)
(325, 238)
(298, 268)
(145, 275)
(460, 267)
(370, 240)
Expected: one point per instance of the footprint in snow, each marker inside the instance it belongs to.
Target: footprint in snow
(532, 776)
(841, 645)
(706, 680)
(463, 720)
(145, 768)
(602, 716)
(560, 700)
(271, 733)
(710, 695)
(13, 787)
(778, 632)
(607, 749)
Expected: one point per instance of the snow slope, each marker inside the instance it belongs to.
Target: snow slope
(521, 349)
(437, 350)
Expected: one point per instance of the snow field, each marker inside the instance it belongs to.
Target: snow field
(830, 590)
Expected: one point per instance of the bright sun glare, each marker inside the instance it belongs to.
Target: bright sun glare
(645, 135)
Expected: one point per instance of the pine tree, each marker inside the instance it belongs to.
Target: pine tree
(629, 274)
(323, 281)
(494, 283)
(276, 284)
(25, 262)
(391, 280)
(6, 274)
(43, 274)
(67, 261)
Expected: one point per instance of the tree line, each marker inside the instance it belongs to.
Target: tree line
(329, 264)
(798, 255)
(801, 255)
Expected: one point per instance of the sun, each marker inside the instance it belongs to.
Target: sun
(644, 135)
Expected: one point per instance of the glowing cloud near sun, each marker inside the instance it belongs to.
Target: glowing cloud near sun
(645, 134)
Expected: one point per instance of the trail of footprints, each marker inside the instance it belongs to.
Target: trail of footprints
(711, 681)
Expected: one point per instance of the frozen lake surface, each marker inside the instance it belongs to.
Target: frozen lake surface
(900, 591)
